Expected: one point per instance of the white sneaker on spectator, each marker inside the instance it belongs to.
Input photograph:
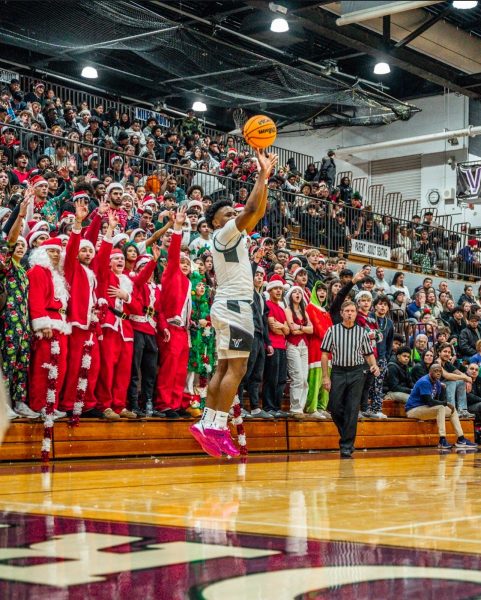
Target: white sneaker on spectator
(59, 414)
(465, 414)
(245, 414)
(317, 414)
(377, 415)
(327, 414)
(360, 415)
(23, 410)
(296, 415)
(11, 414)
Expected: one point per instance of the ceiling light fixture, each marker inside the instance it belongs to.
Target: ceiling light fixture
(465, 4)
(89, 73)
(199, 107)
(381, 68)
(279, 25)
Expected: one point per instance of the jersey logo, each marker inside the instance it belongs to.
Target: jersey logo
(237, 342)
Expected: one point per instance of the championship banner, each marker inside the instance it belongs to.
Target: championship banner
(371, 250)
(468, 182)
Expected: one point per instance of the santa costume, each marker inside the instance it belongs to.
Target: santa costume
(145, 324)
(83, 315)
(116, 345)
(174, 354)
(47, 300)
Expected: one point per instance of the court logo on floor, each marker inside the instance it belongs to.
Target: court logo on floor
(56, 557)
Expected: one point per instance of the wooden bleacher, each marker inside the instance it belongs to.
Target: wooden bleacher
(161, 437)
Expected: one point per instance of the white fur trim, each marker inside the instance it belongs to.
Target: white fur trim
(102, 302)
(242, 439)
(86, 244)
(86, 361)
(48, 423)
(51, 396)
(82, 385)
(46, 444)
(55, 347)
(41, 323)
(114, 186)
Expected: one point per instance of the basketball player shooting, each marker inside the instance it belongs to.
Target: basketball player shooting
(231, 313)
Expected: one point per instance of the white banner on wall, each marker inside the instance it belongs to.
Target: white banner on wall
(7, 76)
(371, 250)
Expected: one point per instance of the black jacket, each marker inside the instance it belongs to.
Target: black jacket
(418, 371)
(398, 378)
(467, 341)
(456, 327)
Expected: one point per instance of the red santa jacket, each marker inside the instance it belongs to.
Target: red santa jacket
(119, 311)
(48, 297)
(83, 281)
(175, 297)
(147, 293)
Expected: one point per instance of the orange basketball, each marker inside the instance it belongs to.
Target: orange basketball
(260, 131)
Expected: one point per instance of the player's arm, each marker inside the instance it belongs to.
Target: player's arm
(257, 201)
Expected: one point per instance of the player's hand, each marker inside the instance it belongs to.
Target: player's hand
(266, 161)
(326, 384)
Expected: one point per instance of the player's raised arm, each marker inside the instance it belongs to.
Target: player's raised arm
(256, 202)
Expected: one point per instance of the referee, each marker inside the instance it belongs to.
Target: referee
(351, 348)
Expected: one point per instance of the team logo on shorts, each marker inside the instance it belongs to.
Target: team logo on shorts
(57, 557)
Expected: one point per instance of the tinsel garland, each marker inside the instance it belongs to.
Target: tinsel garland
(52, 378)
(82, 383)
(239, 424)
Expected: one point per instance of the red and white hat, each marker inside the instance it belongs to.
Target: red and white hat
(81, 195)
(275, 281)
(142, 260)
(52, 244)
(119, 238)
(66, 215)
(116, 252)
(297, 271)
(34, 226)
(33, 235)
(135, 232)
(115, 185)
(86, 244)
(38, 180)
(238, 207)
(116, 157)
(193, 203)
(150, 202)
(232, 151)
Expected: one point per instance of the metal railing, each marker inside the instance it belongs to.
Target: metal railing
(77, 97)
(304, 221)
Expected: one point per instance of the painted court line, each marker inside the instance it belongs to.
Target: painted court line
(77, 509)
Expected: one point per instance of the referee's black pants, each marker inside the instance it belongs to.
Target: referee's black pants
(344, 401)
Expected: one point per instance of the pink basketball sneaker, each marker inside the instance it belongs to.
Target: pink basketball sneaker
(223, 440)
(208, 444)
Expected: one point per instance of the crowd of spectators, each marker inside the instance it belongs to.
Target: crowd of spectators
(117, 205)
(42, 132)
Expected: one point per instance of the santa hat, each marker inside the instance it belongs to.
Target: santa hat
(33, 235)
(232, 151)
(275, 281)
(86, 244)
(260, 270)
(38, 180)
(115, 185)
(65, 215)
(93, 156)
(142, 260)
(362, 294)
(297, 271)
(294, 288)
(52, 244)
(38, 84)
(150, 202)
(135, 232)
(116, 157)
(81, 195)
(63, 237)
(116, 252)
(193, 203)
(118, 238)
(34, 226)
(238, 207)
(22, 239)
(472, 243)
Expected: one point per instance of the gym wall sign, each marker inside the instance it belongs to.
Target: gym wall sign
(371, 250)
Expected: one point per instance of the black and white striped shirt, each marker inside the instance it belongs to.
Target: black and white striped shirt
(348, 345)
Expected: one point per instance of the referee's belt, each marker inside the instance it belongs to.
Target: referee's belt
(338, 368)
(119, 313)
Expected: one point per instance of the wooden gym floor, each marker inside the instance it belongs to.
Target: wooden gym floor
(401, 523)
